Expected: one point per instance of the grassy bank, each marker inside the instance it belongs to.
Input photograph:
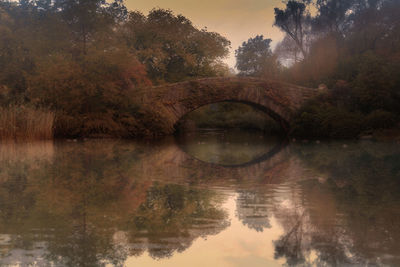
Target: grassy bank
(25, 124)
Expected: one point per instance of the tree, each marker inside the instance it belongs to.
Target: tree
(255, 58)
(294, 21)
(171, 48)
(287, 51)
(333, 16)
(90, 20)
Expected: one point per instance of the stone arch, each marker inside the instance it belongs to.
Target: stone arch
(278, 99)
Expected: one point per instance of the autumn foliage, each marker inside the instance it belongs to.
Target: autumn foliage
(86, 61)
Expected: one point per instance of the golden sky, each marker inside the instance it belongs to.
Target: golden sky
(237, 20)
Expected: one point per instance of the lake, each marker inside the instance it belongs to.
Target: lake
(208, 198)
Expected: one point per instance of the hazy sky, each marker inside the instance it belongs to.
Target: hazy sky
(237, 20)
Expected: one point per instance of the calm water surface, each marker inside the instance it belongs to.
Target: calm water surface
(204, 199)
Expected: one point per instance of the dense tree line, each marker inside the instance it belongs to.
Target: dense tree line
(85, 60)
(352, 47)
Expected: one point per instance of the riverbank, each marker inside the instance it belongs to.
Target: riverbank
(21, 123)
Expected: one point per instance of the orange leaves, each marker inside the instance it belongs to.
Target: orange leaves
(93, 94)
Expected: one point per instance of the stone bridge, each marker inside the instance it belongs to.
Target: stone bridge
(277, 99)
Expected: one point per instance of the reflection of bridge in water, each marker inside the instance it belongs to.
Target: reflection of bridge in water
(172, 162)
(264, 157)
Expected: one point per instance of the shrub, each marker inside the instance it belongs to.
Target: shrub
(323, 120)
(342, 124)
(379, 119)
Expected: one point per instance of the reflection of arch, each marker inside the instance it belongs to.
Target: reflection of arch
(268, 155)
(279, 100)
(169, 161)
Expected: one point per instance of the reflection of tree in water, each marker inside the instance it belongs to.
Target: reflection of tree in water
(87, 206)
(290, 245)
(173, 216)
(350, 216)
(253, 209)
(302, 236)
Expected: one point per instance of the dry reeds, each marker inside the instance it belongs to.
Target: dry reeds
(24, 124)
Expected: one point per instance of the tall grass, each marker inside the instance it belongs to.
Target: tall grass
(22, 123)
